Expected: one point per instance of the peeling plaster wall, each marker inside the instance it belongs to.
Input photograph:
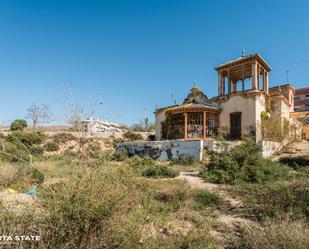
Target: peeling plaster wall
(238, 104)
(250, 108)
(164, 150)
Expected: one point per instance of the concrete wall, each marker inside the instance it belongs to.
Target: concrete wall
(164, 150)
(269, 148)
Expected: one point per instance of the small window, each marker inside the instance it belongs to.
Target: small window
(297, 98)
(306, 106)
(297, 108)
(307, 96)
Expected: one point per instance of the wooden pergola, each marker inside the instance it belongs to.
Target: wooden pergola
(191, 122)
(246, 67)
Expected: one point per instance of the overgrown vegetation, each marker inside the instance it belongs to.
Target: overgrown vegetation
(160, 171)
(243, 163)
(132, 136)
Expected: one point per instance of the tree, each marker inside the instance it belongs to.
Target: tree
(18, 125)
(38, 114)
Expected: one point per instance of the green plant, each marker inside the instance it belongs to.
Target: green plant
(295, 162)
(51, 146)
(283, 234)
(184, 159)
(36, 150)
(18, 125)
(158, 171)
(276, 199)
(244, 163)
(120, 154)
(206, 198)
(140, 162)
(63, 137)
(132, 136)
(27, 138)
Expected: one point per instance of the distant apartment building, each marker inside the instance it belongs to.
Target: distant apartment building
(301, 99)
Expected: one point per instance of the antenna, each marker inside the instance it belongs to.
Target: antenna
(287, 76)
(100, 106)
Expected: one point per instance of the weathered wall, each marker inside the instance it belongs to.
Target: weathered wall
(247, 106)
(160, 117)
(164, 150)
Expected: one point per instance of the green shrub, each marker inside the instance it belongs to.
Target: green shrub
(51, 146)
(36, 150)
(120, 154)
(132, 136)
(63, 137)
(159, 171)
(140, 162)
(95, 212)
(27, 138)
(276, 199)
(295, 162)
(274, 234)
(37, 176)
(18, 125)
(16, 151)
(184, 159)
(244, 163)
(206, 198)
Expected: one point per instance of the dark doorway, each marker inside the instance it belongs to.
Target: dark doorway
(235, 125)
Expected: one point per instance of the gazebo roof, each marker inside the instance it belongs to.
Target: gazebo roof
(194, 106)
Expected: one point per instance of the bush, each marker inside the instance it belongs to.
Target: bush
(184, 159)
(132, 136)
(27, 138)
(63, 137)
(37, 176)
(284, 234)
(36, 150)
(79, 214)
(18, 125)
(141, 162)
(51, 146)
(120, 154)
(295, 162)
(276, 199)
(206, 198)
(244, 163)
(159, 171)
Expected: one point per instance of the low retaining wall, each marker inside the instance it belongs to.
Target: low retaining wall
(164, 150)
(269, 148)
(171, 149)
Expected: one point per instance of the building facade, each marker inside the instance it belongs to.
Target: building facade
(244, 98)
(301, 99)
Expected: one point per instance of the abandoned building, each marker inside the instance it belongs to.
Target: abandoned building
(243, 98)
(244, 102)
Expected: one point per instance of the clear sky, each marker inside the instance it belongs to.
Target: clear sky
(136, 54)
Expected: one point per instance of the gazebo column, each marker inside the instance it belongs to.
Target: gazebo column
(254, 75)
(229, 86)
(265, 81)
(204, 124)
(186, 125)
(219, 84)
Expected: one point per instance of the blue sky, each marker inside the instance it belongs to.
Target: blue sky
(139, 53)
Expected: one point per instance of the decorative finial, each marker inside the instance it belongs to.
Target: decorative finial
(195, 84)
(243, 52)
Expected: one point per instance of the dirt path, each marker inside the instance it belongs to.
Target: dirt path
(228, 217)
